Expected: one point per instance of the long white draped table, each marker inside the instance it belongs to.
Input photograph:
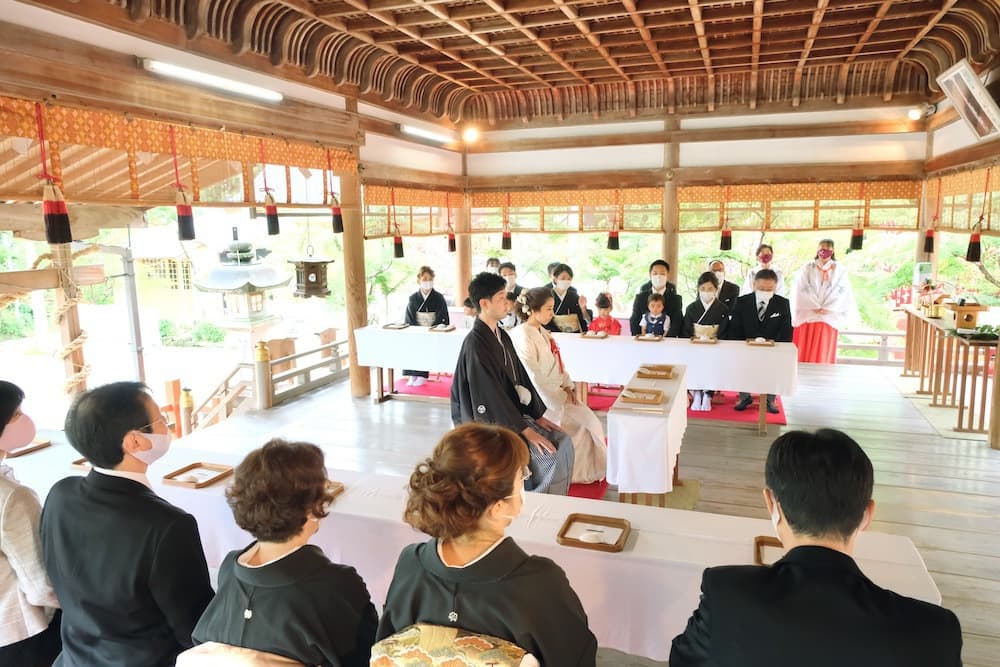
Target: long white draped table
(644, 441)
(636, 601)
(724, 366)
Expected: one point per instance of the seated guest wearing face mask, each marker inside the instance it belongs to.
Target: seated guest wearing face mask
(470, 575)
(29, 620)
(280, 594)
(705, 318)
(672, 304)
(128, 567)
(568, 315)
(728, 292)
(492, 265)
(426, 308)
(509, 273)
(761, 314)
(815, 606)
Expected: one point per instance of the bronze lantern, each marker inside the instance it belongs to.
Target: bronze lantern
(310, 276)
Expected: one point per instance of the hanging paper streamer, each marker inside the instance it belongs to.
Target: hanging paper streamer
(505, 242)
(858, 232)
(613, 233)
(338, 217)
(451, 230)
(270, 207)
(185, 215)
(726, 241)
(397, 239)
(57, 229)
(929, 234)
(974, 253)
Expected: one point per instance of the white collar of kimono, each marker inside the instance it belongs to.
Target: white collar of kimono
(134, 476)
(246, 556)
(474, 560)
(825, 266)
(659, 291)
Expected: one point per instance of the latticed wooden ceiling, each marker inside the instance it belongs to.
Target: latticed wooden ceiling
(506, 59)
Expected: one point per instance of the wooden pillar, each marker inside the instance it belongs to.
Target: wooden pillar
(671, 238)
(354, 277)
(995, 408)
(463, 244)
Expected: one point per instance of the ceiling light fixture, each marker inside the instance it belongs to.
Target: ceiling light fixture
(426, 134)
(470, 135)
(210, 80)
(925, 110)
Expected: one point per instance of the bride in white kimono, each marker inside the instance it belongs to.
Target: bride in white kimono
(540, 356)
(822, 304)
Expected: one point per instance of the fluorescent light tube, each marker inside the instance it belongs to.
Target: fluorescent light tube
(210, 80)
(426, 134)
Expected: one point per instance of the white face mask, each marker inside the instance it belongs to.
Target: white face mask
(763, 296)
(511, 517)
(658, 281)
(775, 518)
(18, 433)
(721, 275)
(706, 297)
(563, 285)
(427, 285)
(160, 444)
(492, 269)
(511, 281)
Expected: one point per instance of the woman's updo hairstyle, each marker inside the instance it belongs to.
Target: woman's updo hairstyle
(473, 466)
(531, 301)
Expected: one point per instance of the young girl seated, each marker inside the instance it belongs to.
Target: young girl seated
(705, 318)
(604, 321)
(655, 322)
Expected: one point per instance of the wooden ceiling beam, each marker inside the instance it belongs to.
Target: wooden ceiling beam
(647, 39)
(845, 69)
(758, 23)
(594, 40)
(933, 21)
(699, 29)
(817, 21)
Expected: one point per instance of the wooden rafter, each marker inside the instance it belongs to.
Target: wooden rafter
(758, 26)
(814, 27)
(869, 31)
(699, 29)
(594, 40)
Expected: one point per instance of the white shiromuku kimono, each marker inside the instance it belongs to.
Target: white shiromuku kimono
(534, 348)
(828, 288)
(748, 283)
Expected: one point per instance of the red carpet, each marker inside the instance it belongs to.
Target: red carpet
(436, 385)
(594, 490)
(722, 410)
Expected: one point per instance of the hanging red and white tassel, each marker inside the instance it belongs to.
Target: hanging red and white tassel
(929, 234)
(505, 241)
(270, 206)
(397, 239)
(858, 232)
(337, 215)
(613, 232)
(726, 240)
(185, 214)
(974, 253)
(451, 230)
(57, 229)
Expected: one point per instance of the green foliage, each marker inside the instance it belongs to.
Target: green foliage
(16, 321)
(196, 335)
(168, 331)
(206, 332)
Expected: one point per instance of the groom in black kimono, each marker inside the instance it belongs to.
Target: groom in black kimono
(491, 386)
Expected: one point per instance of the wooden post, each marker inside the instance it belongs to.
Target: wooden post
(671, 160)
(263, 392)
(69, 320)
(354, 277)
(463, 243)
(995, 407)
(187, 411)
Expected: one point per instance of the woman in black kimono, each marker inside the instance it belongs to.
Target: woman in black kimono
(470, 575)
(426, 308)
(705, 318)
(567, 303)
(281, 595)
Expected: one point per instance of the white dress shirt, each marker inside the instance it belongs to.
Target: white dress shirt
(134, 476)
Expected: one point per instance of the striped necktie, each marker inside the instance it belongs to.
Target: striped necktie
(760, 310)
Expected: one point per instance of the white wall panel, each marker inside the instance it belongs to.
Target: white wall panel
(864, 148)
(797, 118)
(574, 131)
(409, 155)
(600, 158)
(951, 137)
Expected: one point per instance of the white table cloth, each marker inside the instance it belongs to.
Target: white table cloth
(644, 440)
(636, 601)
(726, 366)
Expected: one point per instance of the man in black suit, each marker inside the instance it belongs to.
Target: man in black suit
(127, 566)
(728, 292)
(762, 314)
(814, 606)
(672, 305)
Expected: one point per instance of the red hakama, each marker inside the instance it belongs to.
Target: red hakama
(817, 343)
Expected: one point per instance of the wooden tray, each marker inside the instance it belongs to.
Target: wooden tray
(646, 339)
(699, 341)
(395, 326)
(755, 343)
(81, 464)
(642, 396)
(213, 472)
(441, 328)
(759, 543)
(33, 446)
(594, 335)
(597, 522)
(655, 372)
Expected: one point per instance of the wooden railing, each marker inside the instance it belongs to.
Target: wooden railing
(886, 354)
(225, 398)
(331, 366)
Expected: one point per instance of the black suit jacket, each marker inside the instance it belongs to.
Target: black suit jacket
(728, 293)
(813, 607)
(776, 325)
(128, 569)
(673, 307)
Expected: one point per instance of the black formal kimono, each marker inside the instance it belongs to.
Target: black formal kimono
(728, 293)
(673, 307)
(568, 304)
(717, 314)
(508, 594)
(434, 303)
(128, 569)
(484, 389)
(813, 607)
(303, 607)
